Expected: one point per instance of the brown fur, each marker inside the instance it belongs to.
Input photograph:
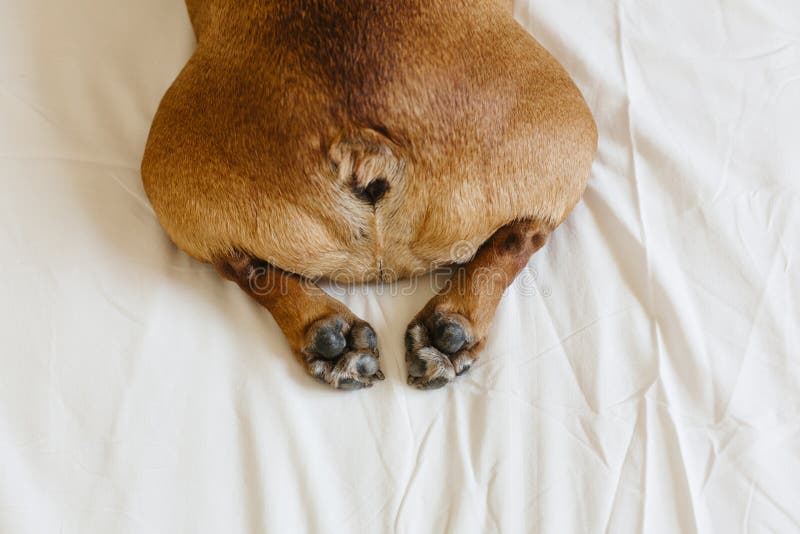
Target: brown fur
(361, 140)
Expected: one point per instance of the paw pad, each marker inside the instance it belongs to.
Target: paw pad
(342, 354)
(437, 349)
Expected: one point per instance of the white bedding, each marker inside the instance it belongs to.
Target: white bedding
(643, 376)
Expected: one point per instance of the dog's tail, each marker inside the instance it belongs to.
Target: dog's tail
(368, 162)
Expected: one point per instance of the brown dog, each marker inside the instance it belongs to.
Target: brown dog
(363, 140)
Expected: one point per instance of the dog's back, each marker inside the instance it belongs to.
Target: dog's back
(361, 140)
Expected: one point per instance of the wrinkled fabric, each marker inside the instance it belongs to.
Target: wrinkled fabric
(642, 375)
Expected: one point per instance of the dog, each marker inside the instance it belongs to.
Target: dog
(368, 140)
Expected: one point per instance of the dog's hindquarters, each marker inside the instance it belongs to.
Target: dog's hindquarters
(198, 14)
(364, 145)
(251, 150)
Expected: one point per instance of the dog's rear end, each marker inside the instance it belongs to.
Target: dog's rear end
(363, 140)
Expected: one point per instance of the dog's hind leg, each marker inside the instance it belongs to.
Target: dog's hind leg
(444, 339)
(333, 344)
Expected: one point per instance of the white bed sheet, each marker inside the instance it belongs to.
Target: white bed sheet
(644, 375)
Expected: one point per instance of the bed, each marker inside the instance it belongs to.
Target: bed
(642, 375)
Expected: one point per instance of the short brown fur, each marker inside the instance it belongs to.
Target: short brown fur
(289, 115)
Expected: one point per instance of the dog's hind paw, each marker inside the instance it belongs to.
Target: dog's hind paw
(342, 353)
(438, 349)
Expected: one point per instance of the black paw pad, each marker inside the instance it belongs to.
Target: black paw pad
(367, 365)
(449, 337)
(329, 342)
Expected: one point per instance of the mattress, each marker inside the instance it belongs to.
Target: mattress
(642, 375)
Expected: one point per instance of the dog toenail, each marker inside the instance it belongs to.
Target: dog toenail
(436, 383)
(449, 337)
(329, 344)
(349, 384)
(466, 367)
